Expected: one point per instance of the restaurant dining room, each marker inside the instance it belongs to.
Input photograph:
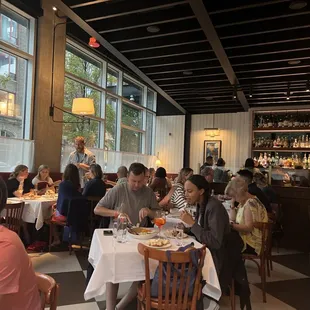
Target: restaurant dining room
(154, 154)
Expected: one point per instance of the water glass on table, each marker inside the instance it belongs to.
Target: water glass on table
(114, 228)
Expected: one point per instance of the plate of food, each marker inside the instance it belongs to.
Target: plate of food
(142, 233)
(159, 243)
(172, 233)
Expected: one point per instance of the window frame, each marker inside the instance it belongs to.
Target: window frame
(117, 96)
(30, 57)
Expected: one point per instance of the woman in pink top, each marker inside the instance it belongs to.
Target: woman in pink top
(18, 287)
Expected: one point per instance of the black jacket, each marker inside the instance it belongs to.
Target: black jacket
(214, 226)
(12, 185)
(95, 187)
(256, 191)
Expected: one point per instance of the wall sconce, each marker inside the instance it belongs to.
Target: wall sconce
(212, 131)
(158, 162)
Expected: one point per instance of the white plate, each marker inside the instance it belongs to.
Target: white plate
(146, 236)
(166, 246)
(168, 234)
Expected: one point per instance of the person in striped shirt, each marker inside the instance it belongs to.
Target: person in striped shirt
(176, 195)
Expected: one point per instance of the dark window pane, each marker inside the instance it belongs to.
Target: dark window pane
(132, 91)
(131, 141)
(131, 117)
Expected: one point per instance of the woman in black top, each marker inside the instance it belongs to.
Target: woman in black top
(18, 183)
(211, 224)
(95, 187)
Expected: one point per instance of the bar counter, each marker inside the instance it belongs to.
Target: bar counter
(295, 203)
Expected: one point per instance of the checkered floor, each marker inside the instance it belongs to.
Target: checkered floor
(287, 288)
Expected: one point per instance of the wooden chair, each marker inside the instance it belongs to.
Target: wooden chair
(49, 291)
(261, 260)
(77, 219)
(13, 217)
(93, 201)
(177, 300)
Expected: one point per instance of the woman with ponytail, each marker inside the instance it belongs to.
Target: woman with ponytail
(211, 224)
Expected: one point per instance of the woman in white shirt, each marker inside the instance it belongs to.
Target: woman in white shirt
(43, 176)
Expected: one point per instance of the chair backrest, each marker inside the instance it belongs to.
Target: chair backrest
(77, 216)
(48, 289)
(13, 217)
(93, 200)
(175, 278)
(266, 229)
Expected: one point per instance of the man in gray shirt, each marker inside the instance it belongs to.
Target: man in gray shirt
(82, 158)
(138, 201)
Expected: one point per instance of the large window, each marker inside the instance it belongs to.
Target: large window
(111, 124)
(124, 119)
(132, 91)
(16, 62)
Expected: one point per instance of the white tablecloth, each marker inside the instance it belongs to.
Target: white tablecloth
(121, 262)
(35, 209)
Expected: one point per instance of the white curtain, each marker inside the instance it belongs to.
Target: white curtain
(14, 152)
(110, 160)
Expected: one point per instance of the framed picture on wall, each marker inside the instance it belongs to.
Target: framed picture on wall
(212, 148)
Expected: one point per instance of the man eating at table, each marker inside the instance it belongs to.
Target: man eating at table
(138, 201)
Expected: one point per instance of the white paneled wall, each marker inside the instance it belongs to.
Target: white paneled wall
(170, 141)
(234, 133)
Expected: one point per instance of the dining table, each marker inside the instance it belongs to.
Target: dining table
(36, 210)
(121, 262)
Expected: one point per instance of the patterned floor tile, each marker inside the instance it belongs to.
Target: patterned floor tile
(298, 262)
(55, 262)
(279, 273)
(72, 287)
(292, 292)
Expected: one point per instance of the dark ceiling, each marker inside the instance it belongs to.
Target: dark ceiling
(260, 38)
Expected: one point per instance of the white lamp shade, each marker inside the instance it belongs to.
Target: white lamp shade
(83, 106)
(158, 163)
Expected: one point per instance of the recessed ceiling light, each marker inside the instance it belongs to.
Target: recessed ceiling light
(298, 4)
(54, 8)
(153, 29)
(294, 62)
(187, 72)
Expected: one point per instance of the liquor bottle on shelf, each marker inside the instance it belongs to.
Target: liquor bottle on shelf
(301, 121)
(307, 120)
(305, 162)
(296, 121)
(281, 161)
(307, 141)
(285, 121)
(280, 121)
(302, 142)
(309, 161)
(295, 144)
(276, 161)
(290, 121)
(270, 121)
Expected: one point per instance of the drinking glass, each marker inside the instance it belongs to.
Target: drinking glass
(121, 236)
(114, 228)
(160, 221)
(180, 236)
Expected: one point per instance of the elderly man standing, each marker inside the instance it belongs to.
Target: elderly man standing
(138, 201)
(82, 158)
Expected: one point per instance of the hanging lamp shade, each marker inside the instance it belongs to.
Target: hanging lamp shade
(83, 106)
(93, 42)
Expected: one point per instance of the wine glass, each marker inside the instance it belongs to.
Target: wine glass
(160, 221)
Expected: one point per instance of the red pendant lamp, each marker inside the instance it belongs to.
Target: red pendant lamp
(93, 42)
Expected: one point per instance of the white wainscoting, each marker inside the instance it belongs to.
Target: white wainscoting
(169, 141)
(235, 135)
